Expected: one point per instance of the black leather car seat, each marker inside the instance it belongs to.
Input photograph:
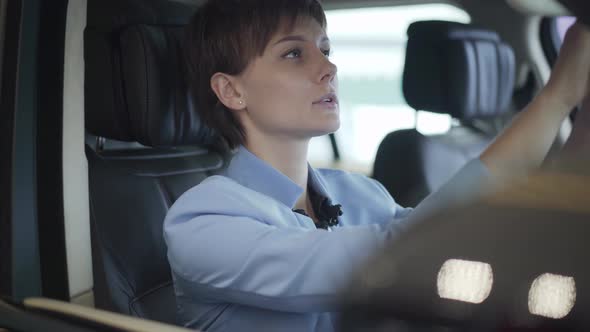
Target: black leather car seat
(145, 147)
(451, 68)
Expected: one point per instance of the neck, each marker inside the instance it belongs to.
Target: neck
(287, 156)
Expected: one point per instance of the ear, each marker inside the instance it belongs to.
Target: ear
(225, 87)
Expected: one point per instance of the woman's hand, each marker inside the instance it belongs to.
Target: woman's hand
(570, 84)
(524, 144)
(570, 77)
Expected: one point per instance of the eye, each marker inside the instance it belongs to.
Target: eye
(293, 54)
(327, 52)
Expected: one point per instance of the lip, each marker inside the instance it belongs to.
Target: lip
(329, 98)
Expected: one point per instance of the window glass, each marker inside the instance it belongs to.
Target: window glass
(368, 46)
(562, 24)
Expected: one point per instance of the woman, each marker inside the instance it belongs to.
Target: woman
(265, 246)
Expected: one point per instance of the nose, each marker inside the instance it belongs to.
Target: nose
(329, 70)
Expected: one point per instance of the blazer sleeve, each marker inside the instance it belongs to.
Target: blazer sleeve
(226, 257)
(220, 252)
(471, 182)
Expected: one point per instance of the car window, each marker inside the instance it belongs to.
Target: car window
(368, 46)
(562, 24)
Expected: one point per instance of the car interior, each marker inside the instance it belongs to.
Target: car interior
(455, 69)
(135, 183)
(514, 261)
(103, 137)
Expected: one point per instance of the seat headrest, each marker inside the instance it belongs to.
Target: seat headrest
(136, 89)
(456, 69)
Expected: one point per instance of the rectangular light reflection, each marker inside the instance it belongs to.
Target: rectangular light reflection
(552, 296)
(465, 281)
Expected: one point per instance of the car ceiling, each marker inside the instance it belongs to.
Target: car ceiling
(483, 12)
(513, 26)
(492, 14)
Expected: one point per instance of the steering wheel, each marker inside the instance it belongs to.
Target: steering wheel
(517, 259)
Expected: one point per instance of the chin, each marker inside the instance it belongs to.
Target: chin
(334, 127)
(326, 128)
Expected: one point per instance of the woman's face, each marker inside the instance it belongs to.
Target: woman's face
(290, 91)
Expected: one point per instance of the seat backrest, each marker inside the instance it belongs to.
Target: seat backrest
(145, 147)
(451, 68)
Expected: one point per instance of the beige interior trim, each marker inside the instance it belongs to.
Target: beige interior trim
(118, 321)
(539, 7)
(85, 299)
(75, 166)
(535, 49)
(541, 66)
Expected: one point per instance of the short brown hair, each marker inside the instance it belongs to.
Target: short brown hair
(225, 36)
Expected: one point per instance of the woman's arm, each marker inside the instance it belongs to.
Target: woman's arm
(525, 143)
(578, 144)
(223, 249)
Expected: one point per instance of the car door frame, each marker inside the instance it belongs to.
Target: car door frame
(32, 246)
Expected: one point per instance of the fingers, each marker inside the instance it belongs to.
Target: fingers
(570, 76)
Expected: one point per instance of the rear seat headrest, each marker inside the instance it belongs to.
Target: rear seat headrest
(456, 69)
(136, 89)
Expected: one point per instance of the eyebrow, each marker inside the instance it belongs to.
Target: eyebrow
(298, 38)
